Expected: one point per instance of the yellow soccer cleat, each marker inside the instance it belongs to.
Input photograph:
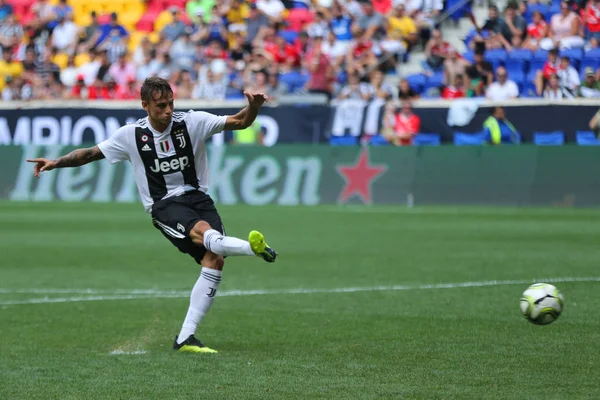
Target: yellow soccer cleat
(260, 247)
(191, 345)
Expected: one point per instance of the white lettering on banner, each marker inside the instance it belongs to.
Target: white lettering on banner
(75, 184)
(271, 127)
(66, 124)
(5, 137)
(42, 124)
(257, 181)
(22, 189)
(259, 174)
(22, 134)
(296, 166)
(103, 192)
(129, 190)
(221, 170)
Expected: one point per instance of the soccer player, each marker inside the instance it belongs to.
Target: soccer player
(168, 152)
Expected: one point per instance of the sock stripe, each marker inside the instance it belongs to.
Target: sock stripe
(208, 278)
(212, 274)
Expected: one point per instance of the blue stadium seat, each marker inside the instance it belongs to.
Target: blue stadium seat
(586, 138)
(469, 139)
(575, 55)
(378, 140)
(289, 36)
(294, 80)
(435, 80)
(517, 76)
(592, 54)
(515, 65)
(417, 81)
(555, 138)
(427, 139)
(520, 54)
(469, 56)
(540, 55)
(533, 8)
(496, 56)
(527, 89)
(536, 65)
(343, 140)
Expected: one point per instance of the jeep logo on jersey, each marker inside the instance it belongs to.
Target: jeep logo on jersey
(167, 165)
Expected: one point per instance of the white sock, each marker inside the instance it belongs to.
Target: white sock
(202, 297)
(226, 245)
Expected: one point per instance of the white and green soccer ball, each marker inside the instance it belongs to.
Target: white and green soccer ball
(542, 303)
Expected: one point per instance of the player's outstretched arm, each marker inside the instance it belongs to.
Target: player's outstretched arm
(75, 158)
(246, 116)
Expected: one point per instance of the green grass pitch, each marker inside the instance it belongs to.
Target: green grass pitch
(413, 342)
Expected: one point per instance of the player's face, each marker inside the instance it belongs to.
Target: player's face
(160, 109)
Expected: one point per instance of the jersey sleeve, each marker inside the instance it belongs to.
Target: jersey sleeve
(115, 147)
(206, 124)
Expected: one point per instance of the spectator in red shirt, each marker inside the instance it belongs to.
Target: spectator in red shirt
(591, 18)
(283, 52)
(129, 91)
(551, 67)
(406, 125)
(455, 90)
(436, 50)
(536, 31)
(360, 56)
(320, 69)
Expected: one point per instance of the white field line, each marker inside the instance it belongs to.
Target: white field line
(104, 295)
(127, 353)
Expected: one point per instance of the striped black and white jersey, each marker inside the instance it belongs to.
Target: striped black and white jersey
(167, 163)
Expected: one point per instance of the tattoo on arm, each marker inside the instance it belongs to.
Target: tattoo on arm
(80, 157)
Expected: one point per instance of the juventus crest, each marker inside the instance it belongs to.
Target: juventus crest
(180, 137)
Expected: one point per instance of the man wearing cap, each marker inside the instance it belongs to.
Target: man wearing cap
(590, 87)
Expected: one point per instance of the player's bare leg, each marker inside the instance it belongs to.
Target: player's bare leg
(204, 235)
(201, 300)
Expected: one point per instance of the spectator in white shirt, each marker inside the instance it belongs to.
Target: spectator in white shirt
(273, 9)
(64, 35)
(503, 88)
(553, 90)
(568, 78)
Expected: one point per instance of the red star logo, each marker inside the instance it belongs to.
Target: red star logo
(359, 178)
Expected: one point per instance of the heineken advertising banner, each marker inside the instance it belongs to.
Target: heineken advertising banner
(310, 175)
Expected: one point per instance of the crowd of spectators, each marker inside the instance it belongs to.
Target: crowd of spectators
(528, 49)
(213, 49)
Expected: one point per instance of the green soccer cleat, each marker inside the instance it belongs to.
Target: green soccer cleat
(191, 345)
(260, 247)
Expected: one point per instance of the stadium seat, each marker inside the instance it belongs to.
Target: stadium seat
(515, 65)
(469, 139)
(469, 56)
(298, 18)
(435, 81)
(518, 76)
(556, 138)
(496, 56)
(427, 139)
(575, 55)
(378, 140)
(289, 36)
(343, 140)
(417, 81)
(586, 138)
(528, 15)
(540, 55)
(592, 54)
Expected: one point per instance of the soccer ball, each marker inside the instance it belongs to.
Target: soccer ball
(542, 303)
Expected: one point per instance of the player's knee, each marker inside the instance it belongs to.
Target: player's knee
(214, 261)
(197, 232)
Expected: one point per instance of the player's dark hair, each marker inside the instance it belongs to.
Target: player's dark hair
(153, 86)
